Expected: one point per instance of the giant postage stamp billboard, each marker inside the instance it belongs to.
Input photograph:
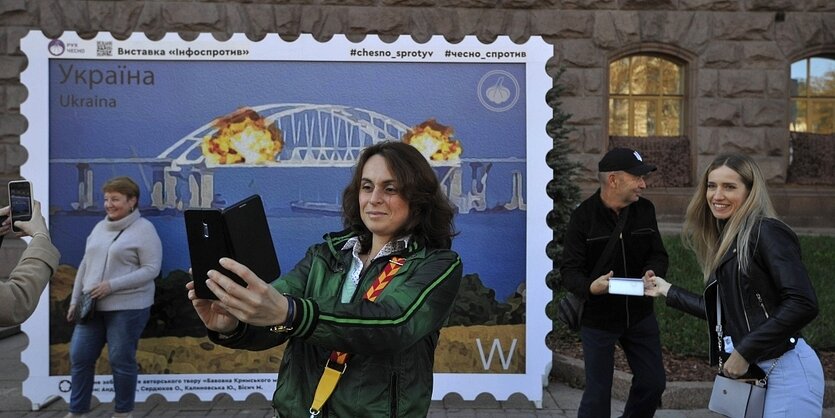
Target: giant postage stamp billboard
(206, 123)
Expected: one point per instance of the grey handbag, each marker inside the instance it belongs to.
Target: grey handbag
(736, 398)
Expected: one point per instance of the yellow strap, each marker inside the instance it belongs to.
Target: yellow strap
(329, 379)
(327, 384)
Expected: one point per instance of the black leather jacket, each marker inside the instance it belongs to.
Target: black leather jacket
(639, 249)
(764, 308)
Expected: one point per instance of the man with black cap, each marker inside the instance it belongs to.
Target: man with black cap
(594, 252)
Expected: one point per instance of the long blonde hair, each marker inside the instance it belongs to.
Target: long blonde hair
(706, 236)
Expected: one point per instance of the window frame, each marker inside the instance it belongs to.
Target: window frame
(808, 99)
(690, 76)
(657, 99)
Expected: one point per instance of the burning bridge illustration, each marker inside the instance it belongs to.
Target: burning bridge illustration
(296, 135)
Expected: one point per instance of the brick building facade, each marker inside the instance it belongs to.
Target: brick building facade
(734, 56)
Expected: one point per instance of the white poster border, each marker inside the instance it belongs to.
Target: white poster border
(40, 387)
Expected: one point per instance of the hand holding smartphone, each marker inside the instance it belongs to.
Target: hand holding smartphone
(20, 201)
(208, 242)
(240, 232)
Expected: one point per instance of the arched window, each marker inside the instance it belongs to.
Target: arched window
(646, 97)
(813, 95)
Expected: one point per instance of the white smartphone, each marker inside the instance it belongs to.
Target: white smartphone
(20, 201)
(626, 286)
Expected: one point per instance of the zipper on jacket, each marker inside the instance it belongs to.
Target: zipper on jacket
(707, 315)
(393, 395)
(757, 294)
(739, 290)
(623, 254)
(741, 300)
(762, 305)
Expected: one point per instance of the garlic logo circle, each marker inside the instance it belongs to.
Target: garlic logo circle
(498, 90)
(56, 47)
(64, 385)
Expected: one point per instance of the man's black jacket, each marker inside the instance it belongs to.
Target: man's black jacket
(638, 249)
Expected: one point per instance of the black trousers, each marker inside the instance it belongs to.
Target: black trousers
(642, 345)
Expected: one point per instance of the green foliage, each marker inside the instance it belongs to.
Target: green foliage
(819, 257)
(562, 189)
(680, 332)
(684, 334)
(476, 304)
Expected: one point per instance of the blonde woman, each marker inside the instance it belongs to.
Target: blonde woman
(753, 261)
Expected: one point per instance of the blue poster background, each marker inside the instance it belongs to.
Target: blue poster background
(147, 118)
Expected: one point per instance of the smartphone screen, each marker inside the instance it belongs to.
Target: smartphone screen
(20, 201)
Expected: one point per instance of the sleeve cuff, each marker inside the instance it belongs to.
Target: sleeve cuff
(307, 316)
(235, 335)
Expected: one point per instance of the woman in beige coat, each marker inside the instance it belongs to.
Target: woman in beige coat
(29, 278)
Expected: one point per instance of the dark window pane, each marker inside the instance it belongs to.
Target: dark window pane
(646, 75)
(798, 82)
(671, 118)
(619, 76)
(822, 77)
(618, 117)
(671, 78)
(821, 117)
(798, 109)
(644, 117)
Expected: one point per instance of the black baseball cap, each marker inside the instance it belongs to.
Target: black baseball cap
(624, 159)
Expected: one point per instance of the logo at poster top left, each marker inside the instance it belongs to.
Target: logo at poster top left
(56, 47)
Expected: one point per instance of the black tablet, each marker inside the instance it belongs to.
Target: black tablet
(240, 232)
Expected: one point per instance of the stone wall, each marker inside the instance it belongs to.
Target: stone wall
(665, 153)
(812, 159)
(737, 53)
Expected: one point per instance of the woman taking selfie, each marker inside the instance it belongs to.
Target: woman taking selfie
(753, 261)
(380, 290)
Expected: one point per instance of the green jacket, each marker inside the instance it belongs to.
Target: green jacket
(391, 341)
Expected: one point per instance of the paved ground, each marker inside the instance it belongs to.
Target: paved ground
(559, 400)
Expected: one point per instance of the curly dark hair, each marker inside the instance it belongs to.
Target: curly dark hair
(430, 212)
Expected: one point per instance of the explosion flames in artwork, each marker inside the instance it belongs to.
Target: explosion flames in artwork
(242, 136)
(434, 141)
(245, 137)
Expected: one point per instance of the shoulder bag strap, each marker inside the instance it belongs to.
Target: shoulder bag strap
(718, 328)
(607, 252)
(107, 253)
(719, 334)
